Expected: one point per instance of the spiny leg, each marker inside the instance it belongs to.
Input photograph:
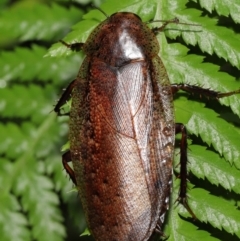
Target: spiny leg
(67, 93)
(180, 128)
(157, 30)
(192, 89)
(74, 47)
(158, 233)
(64, 98)
(161, 28)
(182, 196)
(66, 157)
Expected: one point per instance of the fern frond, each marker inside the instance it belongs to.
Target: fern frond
(222, 8)
(43, 22)
(27, 64)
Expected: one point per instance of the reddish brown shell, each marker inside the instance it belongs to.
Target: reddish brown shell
(122, 131)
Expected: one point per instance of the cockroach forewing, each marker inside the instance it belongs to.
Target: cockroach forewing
(124, 148)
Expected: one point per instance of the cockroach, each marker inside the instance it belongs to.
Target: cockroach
(122, 130)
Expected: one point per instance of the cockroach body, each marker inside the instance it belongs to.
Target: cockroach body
(122, 130)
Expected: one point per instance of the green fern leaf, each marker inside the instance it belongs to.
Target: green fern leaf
(214, 210)
(18, 64)
(10, 210)
(211, 37)
(213, 130)
(42, 22)
(214, 168)
(31, 169)
(222, 8)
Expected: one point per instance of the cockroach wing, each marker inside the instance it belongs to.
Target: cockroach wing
(126, 149)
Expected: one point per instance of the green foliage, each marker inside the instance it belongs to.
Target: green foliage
(33, 187)
(35, 198)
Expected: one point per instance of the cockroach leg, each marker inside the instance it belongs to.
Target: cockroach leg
(165, 24)
(67, 93)
(159, 231)
(182, 196)
(74, 47)
(160, 29)
(65, 97)
(192, 89)
(66, 157)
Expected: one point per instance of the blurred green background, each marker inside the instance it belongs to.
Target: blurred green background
(36, 201)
